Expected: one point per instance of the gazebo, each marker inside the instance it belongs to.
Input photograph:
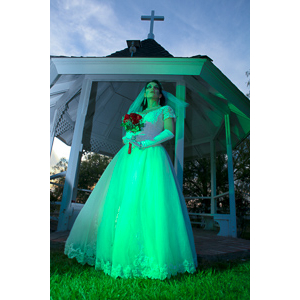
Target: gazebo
(89, 96)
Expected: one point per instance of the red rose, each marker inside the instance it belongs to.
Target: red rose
(135, 118)
(126, 118)
(132, 123)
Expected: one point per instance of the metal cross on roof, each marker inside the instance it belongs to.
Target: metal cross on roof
(152, 18)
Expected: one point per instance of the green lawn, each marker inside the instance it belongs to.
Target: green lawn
(219, 280)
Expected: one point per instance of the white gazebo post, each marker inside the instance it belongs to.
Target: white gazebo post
(232, 222)
(75, 155)
(213, 202)
(52, 132)
(209, 222)
(179, 134)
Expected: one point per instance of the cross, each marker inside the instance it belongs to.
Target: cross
(152, 19)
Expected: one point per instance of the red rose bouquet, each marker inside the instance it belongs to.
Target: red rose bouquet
(132, 123)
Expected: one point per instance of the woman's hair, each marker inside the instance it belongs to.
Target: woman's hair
(162, 99)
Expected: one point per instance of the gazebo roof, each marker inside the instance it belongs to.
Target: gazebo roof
(148, 48)
(117, 80)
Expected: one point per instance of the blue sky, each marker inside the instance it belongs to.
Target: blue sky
(216, 28)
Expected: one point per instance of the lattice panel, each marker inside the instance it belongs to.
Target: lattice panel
(62, 127)
(61, 124)
(97, 146)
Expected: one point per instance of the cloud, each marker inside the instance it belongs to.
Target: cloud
(99, 28)
(85, 28)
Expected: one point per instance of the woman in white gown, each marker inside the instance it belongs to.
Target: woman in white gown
(135, 222)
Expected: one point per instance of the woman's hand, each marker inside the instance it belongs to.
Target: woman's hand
(136, 144)
(126, 140)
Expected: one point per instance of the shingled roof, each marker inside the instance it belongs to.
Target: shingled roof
(149, 48)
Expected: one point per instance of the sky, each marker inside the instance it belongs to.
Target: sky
(219, 29)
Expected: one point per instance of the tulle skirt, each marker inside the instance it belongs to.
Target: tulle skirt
(135, 222)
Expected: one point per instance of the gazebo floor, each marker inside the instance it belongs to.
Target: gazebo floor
(209, 246)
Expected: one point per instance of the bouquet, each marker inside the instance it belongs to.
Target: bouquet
(132, 123)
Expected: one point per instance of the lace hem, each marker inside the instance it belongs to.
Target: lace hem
(87, 257)
(142, 266)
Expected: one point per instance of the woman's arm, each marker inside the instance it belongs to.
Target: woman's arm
(169, 124)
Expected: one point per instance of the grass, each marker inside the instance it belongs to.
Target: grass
(218, 280)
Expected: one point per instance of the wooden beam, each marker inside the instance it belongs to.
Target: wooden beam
(117, 120)
(218, 131)
(198, 88)
(213, 177)
(54, 76)
(232, 224)
(198, 142)
(188, 133)
(197, 109)
(179, 134)
(199, 152)
(215, 78)
(61, 88)
(52, 131)
(69, 95)
(134, 77)
(100, 90)
(129, 65)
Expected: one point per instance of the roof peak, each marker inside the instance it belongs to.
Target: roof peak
(149, 48)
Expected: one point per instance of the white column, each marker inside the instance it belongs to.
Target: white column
(75, 156)
(232, 223)
(179, 134)
(52, 132)
(53, 73)
(213, 202)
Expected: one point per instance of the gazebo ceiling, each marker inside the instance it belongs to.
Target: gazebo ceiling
(118, 80)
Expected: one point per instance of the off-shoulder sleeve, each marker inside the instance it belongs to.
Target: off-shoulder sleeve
(168, 112)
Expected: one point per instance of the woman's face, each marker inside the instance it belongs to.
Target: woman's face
(152, 91)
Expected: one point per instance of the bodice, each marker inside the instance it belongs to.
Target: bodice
(153, 123)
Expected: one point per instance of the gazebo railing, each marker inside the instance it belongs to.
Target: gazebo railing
(204, 216)
(56, 176)
(217, 196)
(63, 174)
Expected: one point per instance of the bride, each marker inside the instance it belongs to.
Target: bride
(135, 222)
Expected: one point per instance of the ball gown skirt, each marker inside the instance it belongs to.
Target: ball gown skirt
(135, 222)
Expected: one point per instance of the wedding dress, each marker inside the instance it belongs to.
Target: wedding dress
(135, 222)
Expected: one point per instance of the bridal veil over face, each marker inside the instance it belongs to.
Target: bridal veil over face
(171, 101)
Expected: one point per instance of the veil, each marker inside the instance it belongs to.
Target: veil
(171, 100)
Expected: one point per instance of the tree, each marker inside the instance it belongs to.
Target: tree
(91, 168)
(197, 182)
(56, 190)
(248, 83)
(241, 162)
